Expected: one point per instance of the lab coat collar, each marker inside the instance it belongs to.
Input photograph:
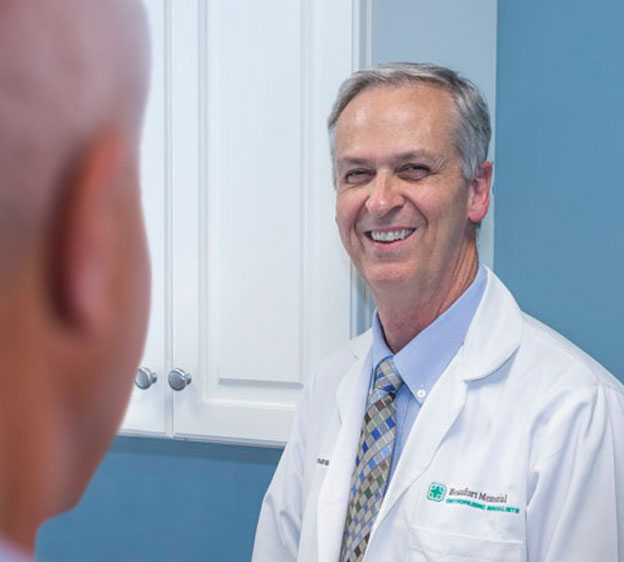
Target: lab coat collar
(493, 336)
(352, 390)
(495, 331)
(360, 346)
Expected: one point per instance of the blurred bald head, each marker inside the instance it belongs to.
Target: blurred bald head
(68, 69)
(74, 266)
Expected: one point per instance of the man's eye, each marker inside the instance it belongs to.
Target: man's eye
(357, 176)
(414, 172)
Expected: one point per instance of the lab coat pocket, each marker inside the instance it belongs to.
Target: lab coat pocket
(433, 545)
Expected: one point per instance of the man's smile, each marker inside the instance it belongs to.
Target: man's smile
(389, 236)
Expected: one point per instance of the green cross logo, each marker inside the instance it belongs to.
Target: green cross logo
(436, 492)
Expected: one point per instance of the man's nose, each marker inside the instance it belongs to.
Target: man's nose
(385, 194)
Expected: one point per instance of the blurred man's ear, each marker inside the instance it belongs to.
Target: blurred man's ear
(87, 234)
(479, 196)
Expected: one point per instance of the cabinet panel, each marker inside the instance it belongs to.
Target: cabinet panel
(274, 283)
(254, 74)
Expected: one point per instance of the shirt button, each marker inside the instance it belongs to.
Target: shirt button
(421, 393)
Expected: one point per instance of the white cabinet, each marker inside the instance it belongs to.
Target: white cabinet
(250, 285)
(251, 288)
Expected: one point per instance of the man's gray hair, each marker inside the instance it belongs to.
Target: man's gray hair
(472, 130)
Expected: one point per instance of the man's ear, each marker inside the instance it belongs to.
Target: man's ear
(86, 234)
(479, 196)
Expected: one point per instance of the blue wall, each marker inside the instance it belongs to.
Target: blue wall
(155, 500)
(559, 236)
(559, 220)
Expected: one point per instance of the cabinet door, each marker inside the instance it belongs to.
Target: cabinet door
(147, 409)
(260, 283)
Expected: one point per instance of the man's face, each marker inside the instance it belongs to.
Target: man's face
(402, 202)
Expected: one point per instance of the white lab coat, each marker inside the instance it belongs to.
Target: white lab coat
(521, 440)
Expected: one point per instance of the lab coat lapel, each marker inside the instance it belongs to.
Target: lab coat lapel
(439, 412)
(493, 336)
(334, 494)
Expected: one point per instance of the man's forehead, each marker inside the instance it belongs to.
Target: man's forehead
(404, 101)
(412, 119)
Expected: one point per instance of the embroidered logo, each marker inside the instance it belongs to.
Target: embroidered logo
(436, 492)
(477, 499)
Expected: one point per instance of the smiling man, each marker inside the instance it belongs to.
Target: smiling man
(458, 427)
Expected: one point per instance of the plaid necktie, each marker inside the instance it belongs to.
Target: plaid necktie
(372, 464)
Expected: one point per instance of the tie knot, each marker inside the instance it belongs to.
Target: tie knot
(387, 378)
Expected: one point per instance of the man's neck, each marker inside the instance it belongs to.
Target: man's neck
(29, 435)
(407, 312)
(21, 482)
(33, 472)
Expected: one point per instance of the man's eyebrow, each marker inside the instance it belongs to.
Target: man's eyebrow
(353, 161)
(415, 155)
(396, 158)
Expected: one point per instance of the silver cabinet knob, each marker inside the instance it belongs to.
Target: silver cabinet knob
(178, 379)
(145, 378)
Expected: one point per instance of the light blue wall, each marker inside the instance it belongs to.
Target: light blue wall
(559, 242)
(559, 237)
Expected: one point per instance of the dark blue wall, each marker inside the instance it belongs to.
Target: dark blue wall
(559, 221)
(155, 500)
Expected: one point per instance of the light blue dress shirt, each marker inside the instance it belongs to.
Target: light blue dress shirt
(12, 553)
(421, 362)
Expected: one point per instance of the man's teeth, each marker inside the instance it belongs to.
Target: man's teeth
(391, 235)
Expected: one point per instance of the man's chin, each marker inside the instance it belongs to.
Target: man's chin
(385, 278)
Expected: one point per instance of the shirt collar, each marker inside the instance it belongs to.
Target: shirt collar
(421, 362)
